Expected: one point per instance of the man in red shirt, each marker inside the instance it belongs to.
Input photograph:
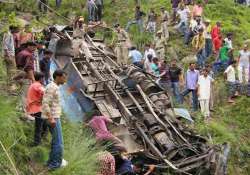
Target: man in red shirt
(216, 30)
(217, 42)
(216, 36)
(25, 62)
(34, 106)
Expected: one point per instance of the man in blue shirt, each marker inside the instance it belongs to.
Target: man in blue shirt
(136, 56)
(192, 76)
(45, 65)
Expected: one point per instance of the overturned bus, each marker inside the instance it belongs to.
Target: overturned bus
(148, 126)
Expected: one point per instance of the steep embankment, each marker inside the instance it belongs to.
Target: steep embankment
(229, 123)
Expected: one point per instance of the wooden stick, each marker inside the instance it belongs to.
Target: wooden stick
(12, 163)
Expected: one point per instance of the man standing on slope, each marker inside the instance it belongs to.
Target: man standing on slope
(51, 110)
(203, 93)
(243, 69)
(9, 57)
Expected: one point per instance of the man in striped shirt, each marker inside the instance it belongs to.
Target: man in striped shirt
(51, 110)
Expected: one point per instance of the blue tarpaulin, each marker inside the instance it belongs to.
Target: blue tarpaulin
(69, 103)
(183, 113)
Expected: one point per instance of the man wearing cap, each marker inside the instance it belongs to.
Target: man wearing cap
(25, 61)
(164, 23)
(79, 27)
(122, 44)
(9, 56)
(160, 44)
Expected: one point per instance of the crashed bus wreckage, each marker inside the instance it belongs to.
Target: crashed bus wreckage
(148, 126)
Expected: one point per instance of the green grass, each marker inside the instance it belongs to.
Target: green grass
(230, 123)
(17, 136)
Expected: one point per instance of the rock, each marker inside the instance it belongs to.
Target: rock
(171, 53)
(189, 59)
(247, 41)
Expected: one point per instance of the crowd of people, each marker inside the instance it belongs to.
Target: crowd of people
(28, 63)
(214, 54)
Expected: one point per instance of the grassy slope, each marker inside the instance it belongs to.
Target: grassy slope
(230, 123)
(17, 136)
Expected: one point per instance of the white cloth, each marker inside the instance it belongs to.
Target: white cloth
(207, 32)
(151, 27)
(248, 2)
(204, 87)
(148, 67)
(204, 104)
(36, 61)
(183, 14)
(193, 24)
(230, 71)
(244, 58)
(150, 51)
(8, 44)
(229, 43)
(243, 73)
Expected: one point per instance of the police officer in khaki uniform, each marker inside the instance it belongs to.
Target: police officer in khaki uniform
(160, 44)
(9, 57)
(122, 43)
(164, 23)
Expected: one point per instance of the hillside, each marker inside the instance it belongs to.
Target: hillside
(229, 123)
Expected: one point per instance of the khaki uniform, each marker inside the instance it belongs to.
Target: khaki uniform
(121, 47)
(79, 32)
(160, 44)
(9, 59)
(164, 24)
(10, 64)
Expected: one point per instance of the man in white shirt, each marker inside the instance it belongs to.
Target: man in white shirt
(204, 92)
(243, 62)
(228, 40)
(230, 76)
(149, 51)
(183, 13)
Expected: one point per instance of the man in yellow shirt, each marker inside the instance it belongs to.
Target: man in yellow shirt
(198, 44)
